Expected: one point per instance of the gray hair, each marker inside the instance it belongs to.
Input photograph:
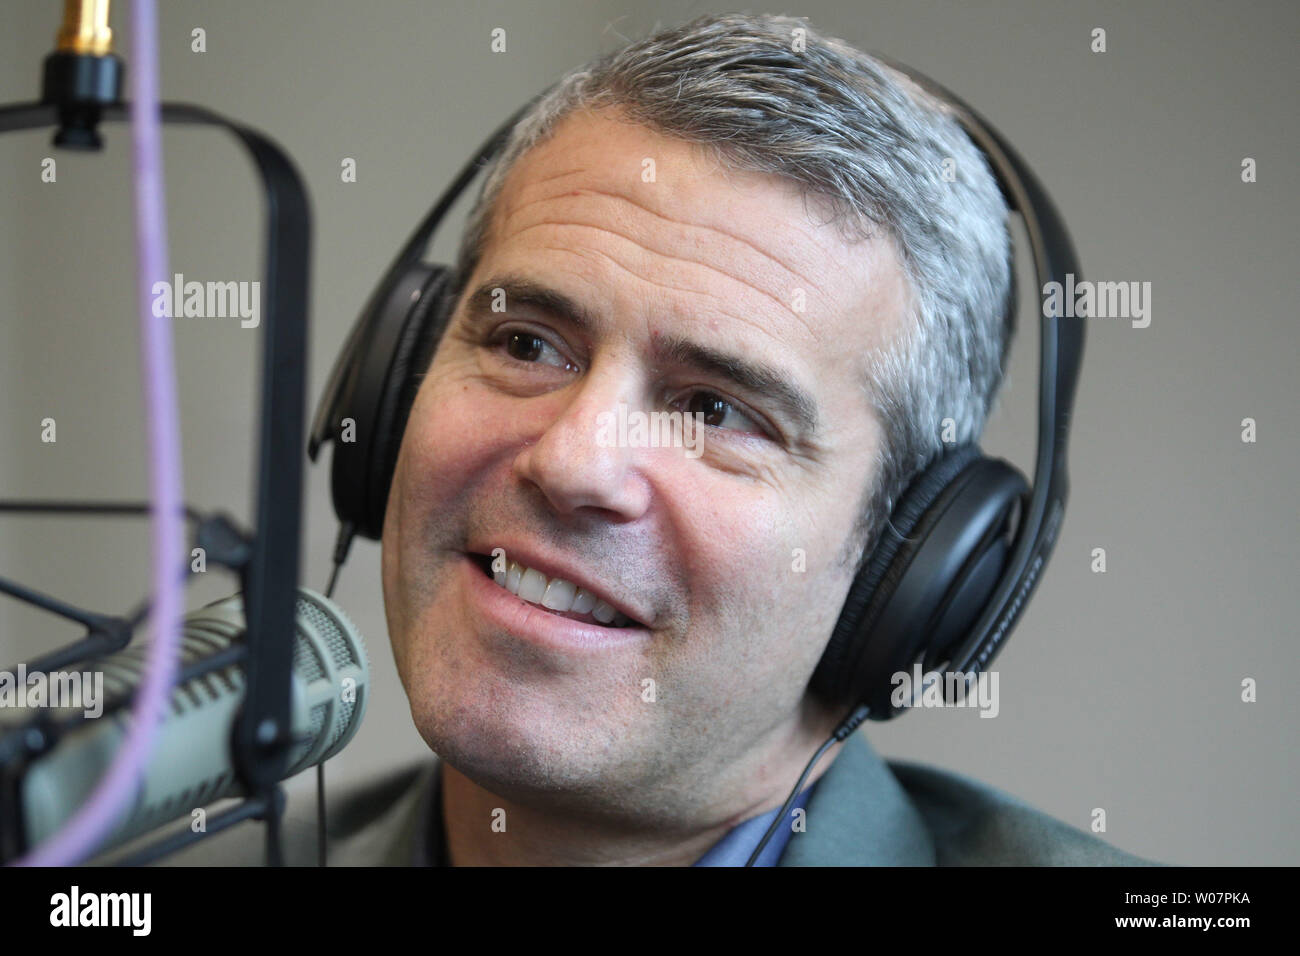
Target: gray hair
(875, 148)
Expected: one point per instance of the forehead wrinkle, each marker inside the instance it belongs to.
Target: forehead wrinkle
(510, 210)
(720, 306)
(722, 232)
(551, 178)
(785, 310)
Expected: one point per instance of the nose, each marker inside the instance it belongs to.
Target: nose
(578, 464)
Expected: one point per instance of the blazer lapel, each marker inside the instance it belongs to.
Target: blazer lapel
(399, 835)
(859, 815)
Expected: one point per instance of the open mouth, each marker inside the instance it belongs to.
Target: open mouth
(556, 595)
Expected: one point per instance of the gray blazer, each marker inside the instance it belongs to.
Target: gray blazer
(863, 812)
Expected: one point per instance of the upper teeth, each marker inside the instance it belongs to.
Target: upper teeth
(555, 593)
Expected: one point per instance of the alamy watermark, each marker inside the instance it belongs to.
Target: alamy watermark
(133, 911)
(209, 300)
(637, 429)
(1098, 300)
(946, 689)
(74, 690)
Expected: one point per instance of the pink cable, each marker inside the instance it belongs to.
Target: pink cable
(96, 819)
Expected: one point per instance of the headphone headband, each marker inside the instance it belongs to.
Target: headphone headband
(1061, 358)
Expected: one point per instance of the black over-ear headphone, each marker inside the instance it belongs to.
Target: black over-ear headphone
(947, 578)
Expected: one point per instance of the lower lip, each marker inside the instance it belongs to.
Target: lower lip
(501, 610)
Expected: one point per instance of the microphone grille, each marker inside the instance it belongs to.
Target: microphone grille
(330, 656)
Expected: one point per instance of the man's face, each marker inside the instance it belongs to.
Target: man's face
(633, 271)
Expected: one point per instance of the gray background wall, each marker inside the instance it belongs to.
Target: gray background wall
(1121, 690)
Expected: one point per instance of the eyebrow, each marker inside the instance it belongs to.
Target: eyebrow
(756, 377)
(521, 291)
(772, 384)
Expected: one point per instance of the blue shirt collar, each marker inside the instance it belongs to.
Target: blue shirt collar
(736, 846)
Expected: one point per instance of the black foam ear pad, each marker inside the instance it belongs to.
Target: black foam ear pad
(406, 368)
(929, 575)
(356, 393)
(856, 615)
(363, 396)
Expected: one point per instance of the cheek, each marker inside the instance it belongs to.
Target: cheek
(437, 449)
(735, 542)
(455, 433)
(442, 460)
(763, 573)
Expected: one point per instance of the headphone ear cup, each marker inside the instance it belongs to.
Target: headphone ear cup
(833, 676)
(929, 576)
(350, 405)
(356, 410)
(412, 350)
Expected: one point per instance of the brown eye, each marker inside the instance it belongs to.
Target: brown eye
(524, 347)
(713, 407)
(532, 348)
(716, 412)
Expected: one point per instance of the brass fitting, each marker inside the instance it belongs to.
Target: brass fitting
(85, 28)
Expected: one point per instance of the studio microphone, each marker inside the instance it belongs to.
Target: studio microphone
(191, 764)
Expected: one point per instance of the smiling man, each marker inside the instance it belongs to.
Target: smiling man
(609, 644)
(672, 293)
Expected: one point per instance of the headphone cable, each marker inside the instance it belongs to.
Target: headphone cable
(850, 723)
(342, 544)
